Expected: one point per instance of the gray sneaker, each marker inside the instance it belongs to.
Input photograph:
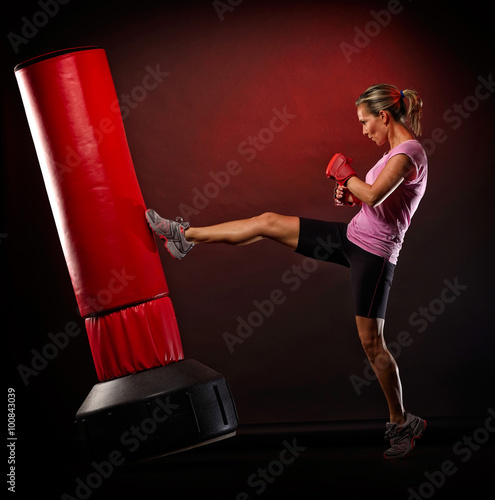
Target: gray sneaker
(402, 437)
(172, 232)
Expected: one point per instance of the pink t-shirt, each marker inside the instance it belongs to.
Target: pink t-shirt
(380, 230)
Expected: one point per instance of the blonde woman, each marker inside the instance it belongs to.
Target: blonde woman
(369, 245)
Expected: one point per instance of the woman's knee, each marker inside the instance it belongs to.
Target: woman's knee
(267, 220)
(371, 346)
(371, 337)
(281, 228)
(377, 352)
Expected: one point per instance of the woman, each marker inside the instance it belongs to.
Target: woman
(369, 245)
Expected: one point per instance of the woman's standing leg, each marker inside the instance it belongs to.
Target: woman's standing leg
(371, 335)
(403, 428)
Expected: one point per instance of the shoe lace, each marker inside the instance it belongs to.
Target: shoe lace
(389, 434)
(179, 219)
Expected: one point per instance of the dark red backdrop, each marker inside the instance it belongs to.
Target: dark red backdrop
(202, 94)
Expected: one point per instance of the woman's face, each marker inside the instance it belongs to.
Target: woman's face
(373, 126)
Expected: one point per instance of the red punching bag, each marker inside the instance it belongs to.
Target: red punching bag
(117, 276)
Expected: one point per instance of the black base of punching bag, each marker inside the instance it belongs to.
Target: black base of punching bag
(156, 412)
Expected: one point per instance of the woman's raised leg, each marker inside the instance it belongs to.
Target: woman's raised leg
(281, 228)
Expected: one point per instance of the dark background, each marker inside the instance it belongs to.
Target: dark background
(225, 78)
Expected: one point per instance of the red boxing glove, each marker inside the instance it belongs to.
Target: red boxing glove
(340, 169)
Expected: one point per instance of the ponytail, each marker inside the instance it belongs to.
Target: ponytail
(404, 106)
(414, 111)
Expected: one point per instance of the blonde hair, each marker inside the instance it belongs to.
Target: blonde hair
(383, 97)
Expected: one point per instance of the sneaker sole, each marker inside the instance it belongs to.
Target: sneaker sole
(413, 444)
(156, 230)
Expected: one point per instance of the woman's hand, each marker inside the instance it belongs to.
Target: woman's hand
(338, 193)
(342, 196)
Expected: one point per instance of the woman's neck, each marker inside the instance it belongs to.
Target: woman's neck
(398, 134)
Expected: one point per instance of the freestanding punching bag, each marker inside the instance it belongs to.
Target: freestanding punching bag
(149, 401)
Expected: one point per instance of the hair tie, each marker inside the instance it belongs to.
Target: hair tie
(402, 94)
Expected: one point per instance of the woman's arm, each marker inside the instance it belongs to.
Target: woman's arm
(398, 168)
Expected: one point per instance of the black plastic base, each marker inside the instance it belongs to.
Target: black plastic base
(156, 412)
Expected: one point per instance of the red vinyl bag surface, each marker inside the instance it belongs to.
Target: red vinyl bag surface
(135, 338)
(74, 117)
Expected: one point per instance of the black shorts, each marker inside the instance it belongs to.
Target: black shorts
(371, 275)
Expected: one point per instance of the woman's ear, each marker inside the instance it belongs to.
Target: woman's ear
(385, 117)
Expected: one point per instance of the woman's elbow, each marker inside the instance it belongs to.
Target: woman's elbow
(372, 200)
